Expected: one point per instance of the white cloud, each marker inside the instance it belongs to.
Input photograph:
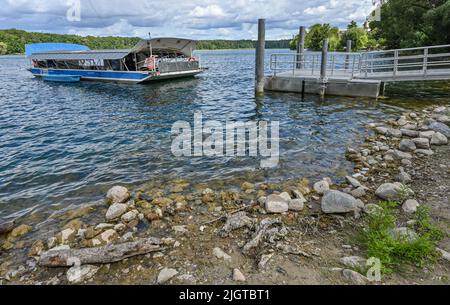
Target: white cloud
(199, 19)
(315, 10)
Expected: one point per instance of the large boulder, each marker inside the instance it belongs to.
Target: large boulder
(118, 194)
(276, 204)
(338, 202)
(440, 127)
(392, 191)
(439, 139)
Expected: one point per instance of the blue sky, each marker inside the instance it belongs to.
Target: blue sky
(197, 19)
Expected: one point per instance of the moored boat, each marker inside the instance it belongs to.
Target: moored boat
(150, 60)
(62, 78)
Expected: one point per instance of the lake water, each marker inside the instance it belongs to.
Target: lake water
(64, 144)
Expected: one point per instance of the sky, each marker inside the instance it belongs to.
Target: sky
(195, 19)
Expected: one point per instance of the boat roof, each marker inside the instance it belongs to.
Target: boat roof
(56, 51)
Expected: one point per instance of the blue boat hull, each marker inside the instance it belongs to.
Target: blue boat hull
(62, 78)
(113, 76)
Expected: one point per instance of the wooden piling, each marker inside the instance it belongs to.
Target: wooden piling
(260, 49)
(323, 68)
(301, 47)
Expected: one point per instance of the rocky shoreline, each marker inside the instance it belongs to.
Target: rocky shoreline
(295, 232)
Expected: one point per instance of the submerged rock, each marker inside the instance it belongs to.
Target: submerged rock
(19, 231)
(338, 202)
(6, 227)
(115, 211)
(118, 194)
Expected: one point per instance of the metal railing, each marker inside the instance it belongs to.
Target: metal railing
(310, 63)
(391, 64)
(400, 63)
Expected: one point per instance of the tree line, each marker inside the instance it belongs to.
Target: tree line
(403, 24)
(13, 42)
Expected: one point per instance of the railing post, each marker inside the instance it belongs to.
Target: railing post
(348, 50)
(301, 47)
(323, 68)
(425, 62)
(260, 48)
(395, 62)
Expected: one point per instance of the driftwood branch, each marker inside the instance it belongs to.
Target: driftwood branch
(99, 255)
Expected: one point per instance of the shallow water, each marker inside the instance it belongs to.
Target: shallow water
(64, 144)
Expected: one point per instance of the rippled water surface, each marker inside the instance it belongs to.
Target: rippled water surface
(68, 143)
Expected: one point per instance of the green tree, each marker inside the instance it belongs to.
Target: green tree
(315, 36)
(3, 48)
(358, 36)
(413, 23)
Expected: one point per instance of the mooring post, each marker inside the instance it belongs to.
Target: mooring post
(323, 68)
(260, 48)
(301, 47)
(349, 50)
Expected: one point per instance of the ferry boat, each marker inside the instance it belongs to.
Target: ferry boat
(150, 60)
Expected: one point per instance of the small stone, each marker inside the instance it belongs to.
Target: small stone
(424, 152)
(422, 143)
(355, 277)
(276, 204)
(353, 181)
(372, 208)
(353, 261)
(180, 229)
(404, 177)
(247, 186)
(409, 133)
(396, 133)
(219, 253)
(118, 194)
(78, 274)
(238, 276)
(338, 202)
(410, 206)
(6, 227)
(109, 236)
(440, 127)
(439, 139)
(36, 248)
(296, 204)
(404, 233)
(359, 192)
(66, 235)
(115, 211)
(445, 254)
(166, 274)
(381, 130)
(104, 226)
(426, 134)
(130, 216)
(398, 155)
(407, 145)
(321, 187)
(406, 162)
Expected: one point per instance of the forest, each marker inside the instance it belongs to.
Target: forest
(13, 41)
